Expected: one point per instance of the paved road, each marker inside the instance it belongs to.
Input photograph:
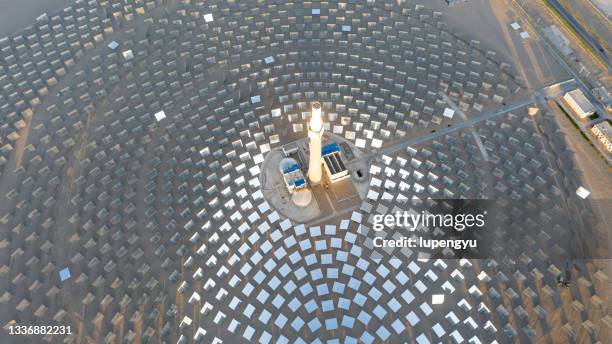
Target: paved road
(454, 106)
(603, 114)
(551, 50)
(584, 34)
(445, 131)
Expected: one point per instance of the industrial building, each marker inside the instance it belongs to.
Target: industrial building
(579, 104)
(292, 175)
(334, 166)
(603, 132)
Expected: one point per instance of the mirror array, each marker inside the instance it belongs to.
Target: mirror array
(132, 139)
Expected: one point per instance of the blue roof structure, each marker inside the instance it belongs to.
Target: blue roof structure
(64, 274)
(113, 45)
(330, 148)
(291, 168)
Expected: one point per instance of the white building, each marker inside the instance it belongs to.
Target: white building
(603, 132)
(579, 103)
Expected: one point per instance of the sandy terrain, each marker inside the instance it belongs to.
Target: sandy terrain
(488, 21)
(604, 5)
(592, 19)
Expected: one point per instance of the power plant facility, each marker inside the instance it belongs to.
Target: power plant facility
(579, 104)
(334, 166)
(321, 158)
(225, 172)
(292, 175)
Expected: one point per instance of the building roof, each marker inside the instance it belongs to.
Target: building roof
(605, 128)
(291, 168)
(334, 163)
(580, 100)
(330, 148)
